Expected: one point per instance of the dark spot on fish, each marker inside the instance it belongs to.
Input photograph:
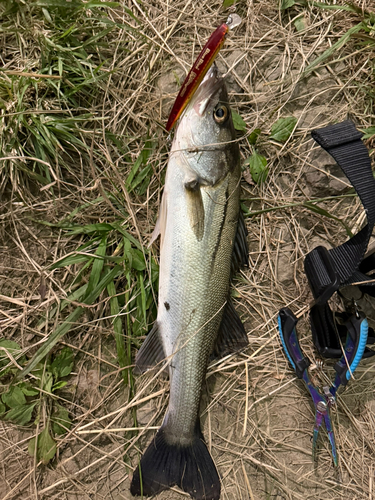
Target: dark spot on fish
(193, 311)
(192, 185)
(167, 306)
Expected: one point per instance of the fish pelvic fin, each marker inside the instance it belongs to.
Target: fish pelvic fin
(151, 352)
(164, 465)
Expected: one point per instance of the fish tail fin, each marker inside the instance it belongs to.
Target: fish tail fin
(188, 466)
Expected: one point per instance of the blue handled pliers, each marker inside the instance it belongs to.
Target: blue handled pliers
(357, 331)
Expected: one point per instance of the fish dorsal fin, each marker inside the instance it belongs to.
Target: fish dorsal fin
(232, 336)
(161, 222)
(151, 352)
(240, 254)
(195, 207)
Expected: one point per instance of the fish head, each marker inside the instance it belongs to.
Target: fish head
(205, 136)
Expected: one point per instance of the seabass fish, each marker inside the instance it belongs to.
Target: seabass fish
(203, 241)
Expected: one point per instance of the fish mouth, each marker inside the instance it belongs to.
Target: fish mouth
(191, 124)
(211, 83)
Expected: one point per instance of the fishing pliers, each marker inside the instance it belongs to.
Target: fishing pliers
(357, 331)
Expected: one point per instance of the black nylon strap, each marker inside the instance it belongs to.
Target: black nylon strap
(343, 142)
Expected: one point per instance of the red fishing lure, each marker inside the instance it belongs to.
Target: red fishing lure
(197, 72)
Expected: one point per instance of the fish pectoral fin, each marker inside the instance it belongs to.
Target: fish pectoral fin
(195, 207)
(161, 222)
(151, 352)
(240, 254)
(232, 336)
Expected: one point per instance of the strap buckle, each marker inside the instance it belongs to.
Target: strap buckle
(320, 270)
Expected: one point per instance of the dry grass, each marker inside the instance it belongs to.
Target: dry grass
(257, 416)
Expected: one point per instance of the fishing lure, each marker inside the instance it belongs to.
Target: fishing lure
(200, 68)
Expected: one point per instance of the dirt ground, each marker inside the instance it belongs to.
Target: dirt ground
(257, 417)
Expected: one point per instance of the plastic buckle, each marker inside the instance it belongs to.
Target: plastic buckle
(321, 274)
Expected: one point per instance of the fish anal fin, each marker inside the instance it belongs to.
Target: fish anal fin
(166, 464)
(151, 352)
(195, 207)
(240, 254)
(161, 221)
(232, 335)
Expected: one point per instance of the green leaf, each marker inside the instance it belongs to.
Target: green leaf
(14, 397)
(46, 446)
(2, 409)
(299, 23)
(283, 128)
(21, 414)
(59, 385)
(62, 365)
(258, 167)
(31, 447)
(10, 345)
(47, 380)
(138, 262)
(228, 3)
(369, 132)
(253, 137)
(286, 4)
(61, 422)
(28, 389)
(238, 122)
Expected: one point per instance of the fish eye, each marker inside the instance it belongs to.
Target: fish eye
(220, 113)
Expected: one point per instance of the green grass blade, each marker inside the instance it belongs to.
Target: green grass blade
(326, 54)
(62, 329)
(325, 213)
(70, 260)
(143, 296)
(138, 162)
(118, 330)
(324, 6)
(118, 227)
(97, 266)
(76, 296)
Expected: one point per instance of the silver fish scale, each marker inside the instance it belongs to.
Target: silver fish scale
(194, 283)
(197, 222)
